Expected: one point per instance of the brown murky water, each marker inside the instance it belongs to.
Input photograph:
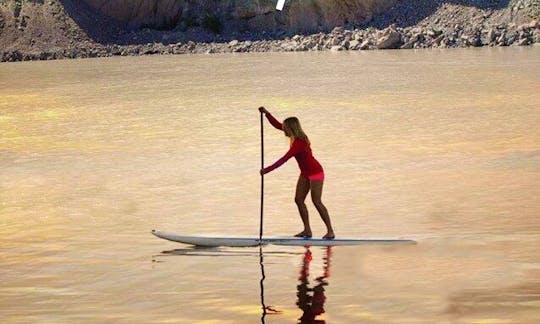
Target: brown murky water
(439, 146)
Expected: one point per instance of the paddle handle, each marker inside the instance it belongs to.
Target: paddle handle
(262, 178)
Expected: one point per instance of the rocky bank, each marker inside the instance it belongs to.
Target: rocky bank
(55, 29)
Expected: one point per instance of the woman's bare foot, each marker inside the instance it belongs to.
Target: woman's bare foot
(306, 234)
(329, 236)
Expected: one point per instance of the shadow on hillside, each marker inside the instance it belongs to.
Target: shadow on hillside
(97, 26)
(105, 30)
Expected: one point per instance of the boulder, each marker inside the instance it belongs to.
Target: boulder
(408, 45)
(338, 30)
(389, 38)
(437, 41)
(434, 33)
(491, 35)
(501, 40)
(336, 41)
(536, 35)
(308, 43)
(523, 42)
(354, 45)
(365, 45)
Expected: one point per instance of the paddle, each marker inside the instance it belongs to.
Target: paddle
(262, 178)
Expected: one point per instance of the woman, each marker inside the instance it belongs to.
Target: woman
(311, 172)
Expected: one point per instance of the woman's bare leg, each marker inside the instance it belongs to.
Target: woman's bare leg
(316, 193)
(302, 189)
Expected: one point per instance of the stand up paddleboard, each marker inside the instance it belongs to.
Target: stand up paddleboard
(209, 241)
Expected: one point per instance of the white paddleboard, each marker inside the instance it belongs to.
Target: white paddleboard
(250, 241)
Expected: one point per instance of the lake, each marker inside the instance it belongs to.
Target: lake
(440, 146)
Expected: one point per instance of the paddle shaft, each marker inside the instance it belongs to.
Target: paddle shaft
(262, 178)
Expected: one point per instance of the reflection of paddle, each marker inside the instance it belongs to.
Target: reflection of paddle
(262, 284)
(266, 310)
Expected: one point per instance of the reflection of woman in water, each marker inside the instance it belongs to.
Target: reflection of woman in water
(312, 304)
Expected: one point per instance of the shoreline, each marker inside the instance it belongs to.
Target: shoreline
(339, 39)
(61, 30)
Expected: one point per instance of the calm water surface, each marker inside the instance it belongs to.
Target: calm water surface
(439, 146)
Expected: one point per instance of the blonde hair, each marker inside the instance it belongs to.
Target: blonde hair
(293, 129)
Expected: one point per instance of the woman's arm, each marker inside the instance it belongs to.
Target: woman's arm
(271, 118)
(295, 149)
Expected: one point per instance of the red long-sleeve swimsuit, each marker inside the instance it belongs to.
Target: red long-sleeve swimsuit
(301, 151)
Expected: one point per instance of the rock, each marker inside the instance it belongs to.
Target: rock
(534, 24)
(501, 41)
(491, 35)
(338, 30)
(335, 41)
(536, 35)
(337, 48)
(434, 33)
(437, 41)
(234, 42)
(407, 45)
(365, 45)
(416, 30)
(471, 40)
(354, 45)
(416, 37)
(288, 46)
(475, 41)
(190, 45)
(523, 42)
(15, 56)
(390, 38)
(512, 39)
(308, 43)
(328, 44)
(43, 55)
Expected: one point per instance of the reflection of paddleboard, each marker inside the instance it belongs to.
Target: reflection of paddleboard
(247, 241)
